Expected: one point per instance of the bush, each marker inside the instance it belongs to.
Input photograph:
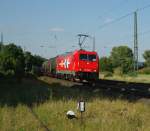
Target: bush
(12, 61)
(118, 71)
(105, 64)
(132, 74)
(146, 56)
(122, 59)
(9, 73)
(30, 75)
(1, 75)
(36, 70)
(145, 70)
(107, 74)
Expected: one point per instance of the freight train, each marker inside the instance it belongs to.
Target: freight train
(79, 64)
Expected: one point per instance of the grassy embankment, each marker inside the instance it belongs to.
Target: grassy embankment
(139, 78)
(42, 104)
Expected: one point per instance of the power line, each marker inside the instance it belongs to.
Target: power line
(124, 16)
(113, 8)
(145, 32)
(139, 34)
(143, 8)
(116, 20)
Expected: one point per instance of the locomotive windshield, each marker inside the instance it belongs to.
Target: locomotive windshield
(92, 57)
(88, 57)
(83, 57)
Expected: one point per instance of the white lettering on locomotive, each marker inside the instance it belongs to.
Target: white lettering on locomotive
(66, 63)
(61, 63)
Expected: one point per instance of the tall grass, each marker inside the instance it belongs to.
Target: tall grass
(25, 112)
(99, 115)
(102, 115)
(140, 78)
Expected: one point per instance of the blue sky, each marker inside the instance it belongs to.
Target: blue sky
(50, 27)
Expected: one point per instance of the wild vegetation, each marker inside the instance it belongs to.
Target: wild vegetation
(41, 104)
(120, 62)
(146, 56)
(14, 62)
(140, 78)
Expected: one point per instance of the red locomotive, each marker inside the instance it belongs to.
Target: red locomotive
(79, 64)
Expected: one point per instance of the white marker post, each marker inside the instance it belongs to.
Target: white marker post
(81, 107)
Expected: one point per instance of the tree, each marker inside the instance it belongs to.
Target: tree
(146, 56)
(33, 63)
(122, 57)
(12, 60)
(37, 63)
(1, 45)
(28, 61)
(38, 60)
(105, 64)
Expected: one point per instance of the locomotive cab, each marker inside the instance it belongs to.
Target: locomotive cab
(88, 65)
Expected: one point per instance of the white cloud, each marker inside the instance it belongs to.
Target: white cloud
(56, 29)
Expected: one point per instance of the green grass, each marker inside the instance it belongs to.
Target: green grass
(42, 104)
(140, 78)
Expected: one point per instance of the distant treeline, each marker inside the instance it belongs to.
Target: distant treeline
(16, 63)
(121, 61)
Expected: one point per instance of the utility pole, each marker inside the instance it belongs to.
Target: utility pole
(135, 42)
(1, 38)
(93, 43)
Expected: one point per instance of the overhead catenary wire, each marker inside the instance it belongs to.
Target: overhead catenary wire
(143, 8)
(139, 34)
(115, 20)
(113, 8)
(123, 17)
(120, 18)
(144, 33)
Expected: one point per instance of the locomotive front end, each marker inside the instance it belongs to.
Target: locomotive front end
(88, 65)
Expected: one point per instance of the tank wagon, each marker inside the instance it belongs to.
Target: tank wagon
(79, 64)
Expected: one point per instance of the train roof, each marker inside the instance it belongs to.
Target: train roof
(72, 52)
(75, 51)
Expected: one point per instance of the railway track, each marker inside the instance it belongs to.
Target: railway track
(110, 88)
(127, 89)
(125, 86)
